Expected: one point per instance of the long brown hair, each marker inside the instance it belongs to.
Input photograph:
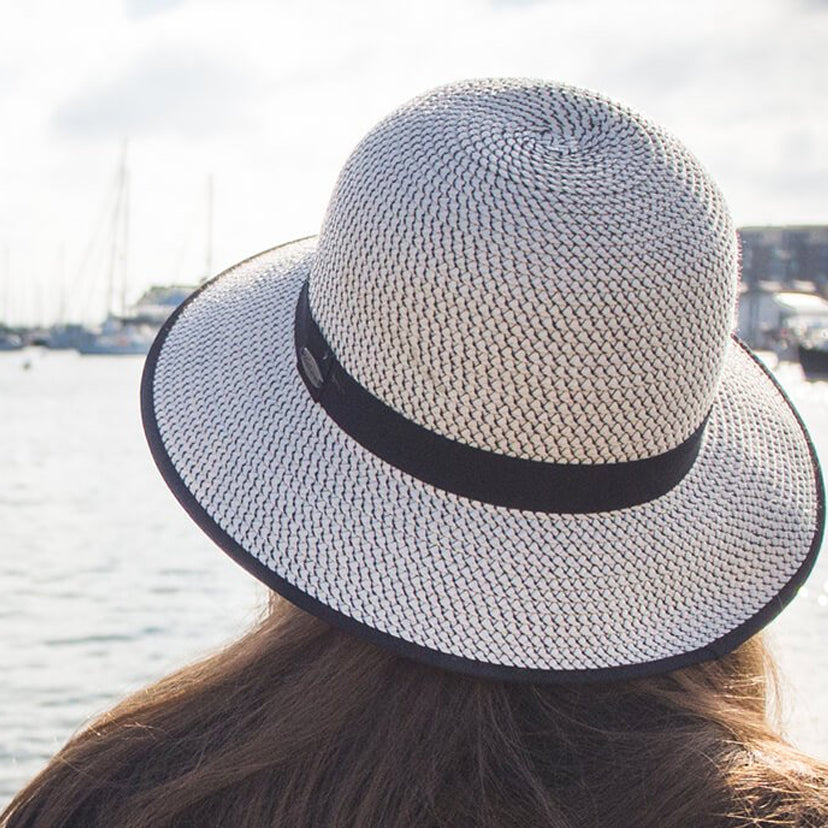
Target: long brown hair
(298, 724)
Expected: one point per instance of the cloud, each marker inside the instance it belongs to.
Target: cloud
(147, 8)
(270, 97)
(659, 72)
(165, 91)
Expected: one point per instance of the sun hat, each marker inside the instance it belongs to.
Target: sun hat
(493, 417)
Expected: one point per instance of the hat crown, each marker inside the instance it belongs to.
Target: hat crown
(529, 269)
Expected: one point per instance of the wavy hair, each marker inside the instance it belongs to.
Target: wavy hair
(299, 724)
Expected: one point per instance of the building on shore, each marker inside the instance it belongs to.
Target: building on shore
(785, 255)
(784, 289)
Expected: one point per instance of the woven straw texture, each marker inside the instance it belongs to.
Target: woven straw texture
(457, 281)
(478, 581)
(510, 263)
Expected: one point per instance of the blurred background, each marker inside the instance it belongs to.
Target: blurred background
(149, 144)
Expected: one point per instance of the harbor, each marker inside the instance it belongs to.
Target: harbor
(128, 329)
(418, 316)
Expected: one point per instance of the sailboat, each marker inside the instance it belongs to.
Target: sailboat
(117, 336)
(9, 340)
(133, 330)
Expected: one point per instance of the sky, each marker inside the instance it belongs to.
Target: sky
(267, 99)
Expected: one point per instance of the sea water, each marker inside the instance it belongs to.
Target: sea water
(106, 584)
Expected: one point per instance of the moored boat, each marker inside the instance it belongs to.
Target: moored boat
(813, 356)
(10, 341)
(134, 332)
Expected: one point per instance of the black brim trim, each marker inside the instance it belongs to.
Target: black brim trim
(427, 655)
(468, 471)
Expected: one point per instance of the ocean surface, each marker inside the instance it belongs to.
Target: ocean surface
(106, 584)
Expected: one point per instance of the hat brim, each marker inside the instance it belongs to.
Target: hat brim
(456, 583)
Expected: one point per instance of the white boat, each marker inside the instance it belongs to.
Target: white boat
(115, 339)
(66, 336)
(133, 332)
(10, 341)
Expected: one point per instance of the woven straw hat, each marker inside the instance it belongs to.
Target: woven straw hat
(493, 416)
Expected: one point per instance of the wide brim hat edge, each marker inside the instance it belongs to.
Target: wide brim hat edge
(173, 477)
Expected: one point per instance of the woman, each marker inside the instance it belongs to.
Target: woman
(529, 501)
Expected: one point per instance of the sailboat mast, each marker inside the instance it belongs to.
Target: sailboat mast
(125, 243)
(5, 307)
(116, 230)
(208, 263)
(61, 274)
